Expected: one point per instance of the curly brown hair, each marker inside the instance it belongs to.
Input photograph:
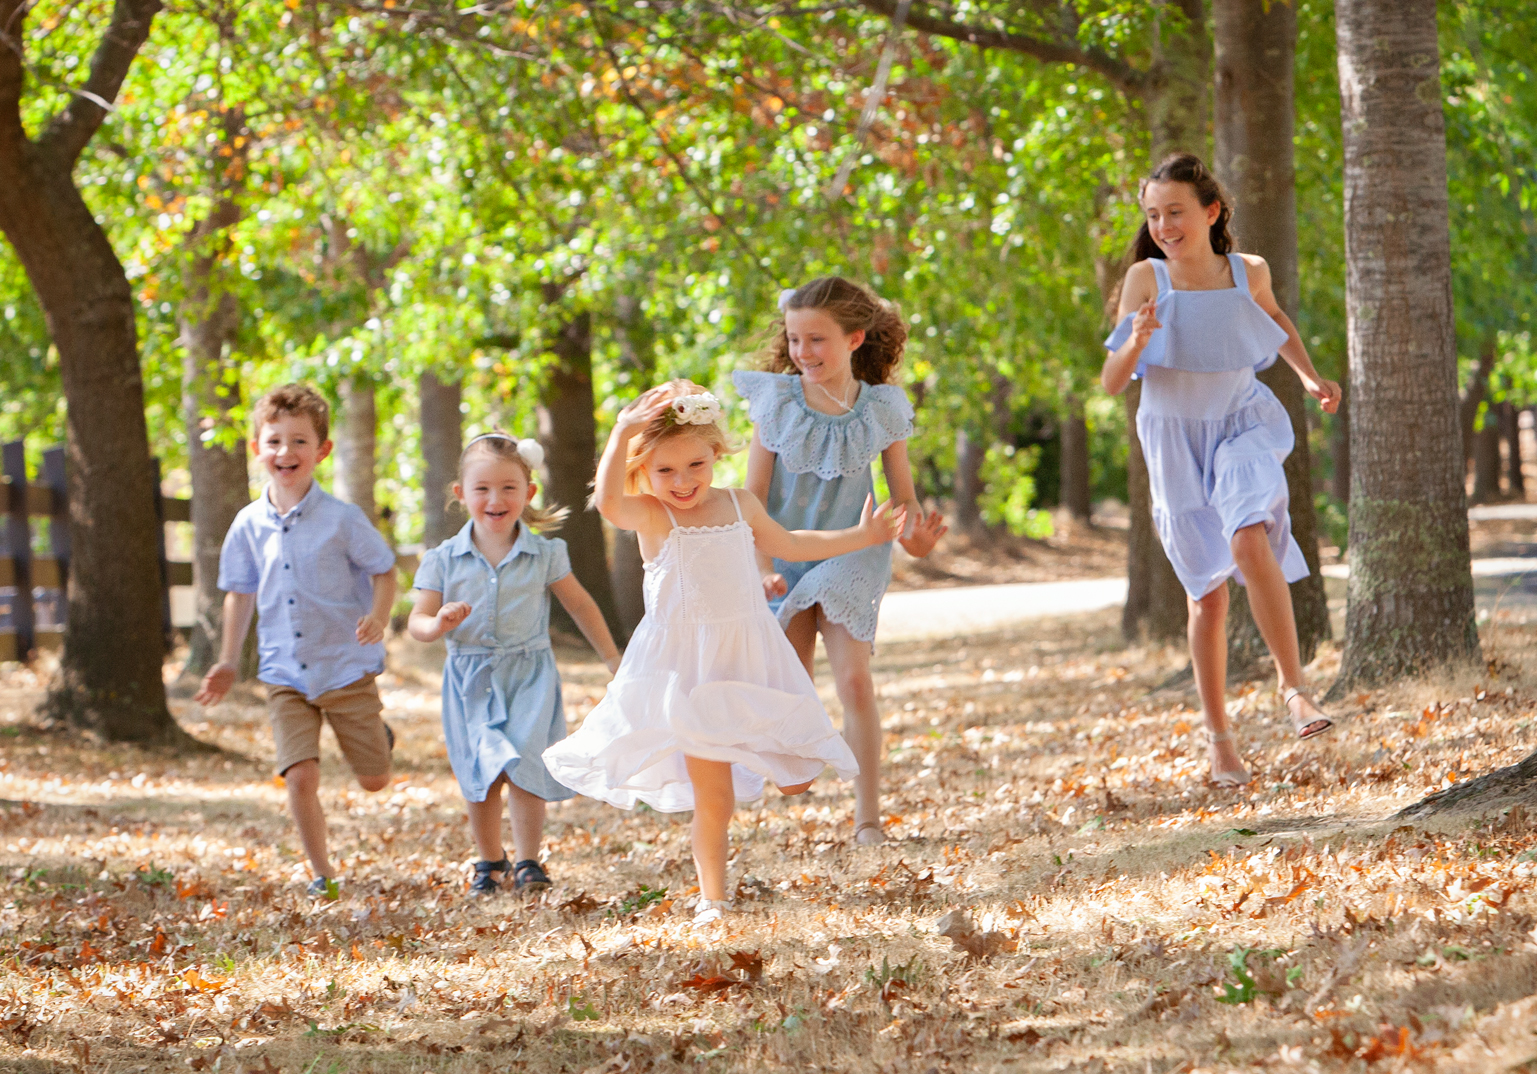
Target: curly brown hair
(856, 309)
(298, 399)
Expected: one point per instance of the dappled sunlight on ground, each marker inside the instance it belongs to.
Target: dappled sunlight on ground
(1117, 912)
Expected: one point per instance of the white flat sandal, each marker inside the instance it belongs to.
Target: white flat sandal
(1226, 779)
(711, 910)
(1312, 727)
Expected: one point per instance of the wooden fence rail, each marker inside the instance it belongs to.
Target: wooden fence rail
(32, 586)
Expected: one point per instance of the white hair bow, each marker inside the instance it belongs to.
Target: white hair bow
(529, 450)
(784, 298)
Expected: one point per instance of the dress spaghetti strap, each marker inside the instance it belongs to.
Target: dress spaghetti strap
(1161, 271)
(736, 505)
(1240, 272)
(670, 516)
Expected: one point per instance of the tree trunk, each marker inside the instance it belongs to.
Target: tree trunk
(637, 354)
(1074, 463)
(110, 675)
(568, 431)
(1475, 393)
(1255, 117)
(1510, 429)
(1410, 598)
(442, 442)
(1486, 459)
(216, 457)
(1339, 443)
(969, 456)
(1155, 600)
(1176, 109)
(356, 430)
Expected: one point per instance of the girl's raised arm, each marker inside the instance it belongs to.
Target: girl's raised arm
(628, 512)
(1139, 296)
(875, 526)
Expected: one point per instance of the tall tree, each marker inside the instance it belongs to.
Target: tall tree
(1255, 116)
(1165, 70)
(109, 678)
(440, 394)
(1410, 601)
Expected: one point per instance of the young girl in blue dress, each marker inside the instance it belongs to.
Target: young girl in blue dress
(487, 589)
(711, 702)
(822, 413)
(1197, 320)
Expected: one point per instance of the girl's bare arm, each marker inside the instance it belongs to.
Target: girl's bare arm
(922, 531)
(574, 597)
(1327, 392)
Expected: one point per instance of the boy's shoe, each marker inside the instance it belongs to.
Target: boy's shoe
(528, 876)
(486, 884)
(324, 887)
(389, 736)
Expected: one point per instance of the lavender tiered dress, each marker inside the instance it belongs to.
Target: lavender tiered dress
(1214, 437)
(821, 478)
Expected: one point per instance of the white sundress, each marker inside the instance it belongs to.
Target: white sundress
(1214, 437)
(708, 674)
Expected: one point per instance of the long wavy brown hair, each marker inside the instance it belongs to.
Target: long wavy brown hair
(855, 308)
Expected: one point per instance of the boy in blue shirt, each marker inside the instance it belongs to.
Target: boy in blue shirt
(323, 579)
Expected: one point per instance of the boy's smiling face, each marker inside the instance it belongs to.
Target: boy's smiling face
(290, 449)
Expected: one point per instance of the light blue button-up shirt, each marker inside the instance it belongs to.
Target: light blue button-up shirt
(312, 572)
(509, 603)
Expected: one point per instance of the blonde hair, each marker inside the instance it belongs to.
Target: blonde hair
(504, 447)
(666, 427)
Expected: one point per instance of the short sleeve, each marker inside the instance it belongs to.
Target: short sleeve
(1121, 334)
(366, 546)
(431, 573)
(557, 560)
(238, 570)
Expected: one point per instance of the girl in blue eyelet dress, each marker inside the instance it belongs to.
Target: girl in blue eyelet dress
(822, 415)
(1197, 322)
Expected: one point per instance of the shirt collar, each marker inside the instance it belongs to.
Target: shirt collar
(463, 543)
(311, 498)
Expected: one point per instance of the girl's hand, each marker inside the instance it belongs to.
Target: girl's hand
(451, 615)
(643, 411)
(774, 586)
(1327, 392)
(1145, 323)
(882, 524)
(613, 665)
(926, 532)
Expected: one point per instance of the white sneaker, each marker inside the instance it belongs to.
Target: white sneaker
(707, 911)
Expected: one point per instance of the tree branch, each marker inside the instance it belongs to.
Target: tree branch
(1127, 78)
(68, 133)
(13, 73)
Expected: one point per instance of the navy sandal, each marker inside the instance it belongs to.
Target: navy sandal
(484, 883)
(529, 876)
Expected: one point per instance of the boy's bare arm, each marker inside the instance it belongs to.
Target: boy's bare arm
(372, 626)
(238, 609)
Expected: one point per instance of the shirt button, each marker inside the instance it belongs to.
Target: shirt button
(297, 634)
(285, 529)
(285, 566)
(290, 600)
(304, 667)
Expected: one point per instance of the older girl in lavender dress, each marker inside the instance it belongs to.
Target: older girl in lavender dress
(1197, 321)
(822, 414)
(487, 590)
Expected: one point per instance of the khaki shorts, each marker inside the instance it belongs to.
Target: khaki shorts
(353, 713)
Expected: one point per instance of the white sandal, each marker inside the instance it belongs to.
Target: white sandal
(1226, 779)
(707, 911)
(1302, 729)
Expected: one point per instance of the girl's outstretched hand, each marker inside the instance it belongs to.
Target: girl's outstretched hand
(774, 586)
(926, 531)
(1146, 322)
(452, 614)
(1327, 392)
(882, 523)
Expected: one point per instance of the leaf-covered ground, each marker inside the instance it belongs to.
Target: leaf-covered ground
(1061, 892)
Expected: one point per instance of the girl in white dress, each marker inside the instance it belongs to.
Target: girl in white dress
(710, 700)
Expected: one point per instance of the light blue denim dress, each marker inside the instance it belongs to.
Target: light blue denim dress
(501, 693)
(1214, 437)
(821, 478)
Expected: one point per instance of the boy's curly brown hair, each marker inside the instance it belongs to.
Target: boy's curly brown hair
(298, 399)
(855, 308)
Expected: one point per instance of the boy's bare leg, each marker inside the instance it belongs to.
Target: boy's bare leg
(527, 812)
(303, 783)
(850, 661)
(714, 800)
(486, 825)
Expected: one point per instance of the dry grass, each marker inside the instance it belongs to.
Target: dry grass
(154, 918)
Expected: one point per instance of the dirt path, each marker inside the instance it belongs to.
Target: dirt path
(1131, 918)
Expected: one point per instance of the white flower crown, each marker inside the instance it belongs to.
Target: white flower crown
(701, 409)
